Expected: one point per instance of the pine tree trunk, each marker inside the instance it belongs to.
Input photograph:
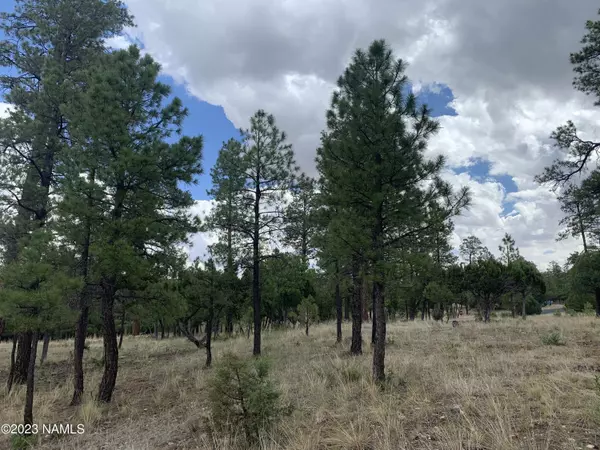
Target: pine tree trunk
(28, 411)
(364, 296)
(84, 307)
(23, 357)
(11, 373)
(347, 307)
(379, 324)
(111, 351)
(597, 292)
(524, 307)
(256, 278)
(162, 329)
(338, 308)
(135, 327)
(229, 322)
(209, 326)
(581, 228)
(122, 328)
(45, 347)
(80, 335)
(356, 345)
(374, 318)
(379, 318)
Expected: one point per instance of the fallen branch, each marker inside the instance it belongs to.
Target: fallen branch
(193, 339)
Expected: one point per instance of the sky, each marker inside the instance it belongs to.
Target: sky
(496, 74)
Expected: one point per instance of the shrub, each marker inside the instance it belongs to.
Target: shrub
(438, 314)
(554, 338)
(241, 395)
(23, 441)
(588, 309)
(532, 306)
(557, 313)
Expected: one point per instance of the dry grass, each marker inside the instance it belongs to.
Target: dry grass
(478, 386)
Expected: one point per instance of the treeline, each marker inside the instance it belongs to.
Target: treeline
(96, 214)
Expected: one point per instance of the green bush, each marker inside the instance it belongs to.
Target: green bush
(242, 397)
(554, 338)
(23, 441)
(588, 309)
(532, 306)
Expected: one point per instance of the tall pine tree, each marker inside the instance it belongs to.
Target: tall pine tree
(372, 156)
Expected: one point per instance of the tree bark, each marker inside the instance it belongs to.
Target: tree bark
(135, 327)
(111, 351)
(338, 308)
(122, 328)
(80, 335)
(45, 347)
(524, 307)
(581, 228)
(190, 336)
(209, 325)
(364, 295)
(347, 307)
(597, 292)
(256, 277)
(380, 336)
(28, 411)
(84, 307)
(374, 318)
(379, 324)
(23, 357)
(356, 345)
(11, 373)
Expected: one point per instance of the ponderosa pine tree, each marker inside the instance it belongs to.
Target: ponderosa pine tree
(488, 280)
(527, 279)
(202, 290)
(48, 44)
(584, 276)
(267, 162)
(332, 254)
(580, 214)
(372, 158)
(578, 151)
(471, 248)
(32, 298)
(228, 179)
(300, 223)
(119, 128)
(509, 253)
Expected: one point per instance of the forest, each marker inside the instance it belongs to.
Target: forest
(96, 219)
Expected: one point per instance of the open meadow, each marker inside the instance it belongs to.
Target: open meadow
(503, 385)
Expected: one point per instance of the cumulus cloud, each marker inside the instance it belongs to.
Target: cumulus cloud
(199, 243)
(506, 62)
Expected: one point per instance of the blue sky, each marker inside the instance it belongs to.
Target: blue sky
(211, 122)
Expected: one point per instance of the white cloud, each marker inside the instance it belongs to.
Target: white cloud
(4, 108)
(506, 62)
(200, 242)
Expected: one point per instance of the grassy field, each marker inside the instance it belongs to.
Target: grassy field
(495, 386)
